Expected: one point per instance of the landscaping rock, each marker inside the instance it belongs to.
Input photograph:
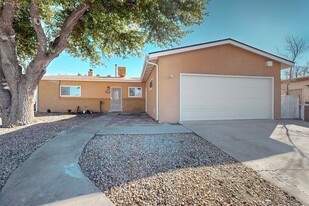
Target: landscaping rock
(174, 169)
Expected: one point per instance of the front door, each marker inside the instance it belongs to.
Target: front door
(116, 99)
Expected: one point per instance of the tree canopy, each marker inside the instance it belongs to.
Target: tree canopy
(34, 32)
(108, 27)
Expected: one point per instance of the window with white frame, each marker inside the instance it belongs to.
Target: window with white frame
(70, 91)
(135, 92)
(150, 85)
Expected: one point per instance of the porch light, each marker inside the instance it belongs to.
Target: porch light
(269, 63)
(108, 89)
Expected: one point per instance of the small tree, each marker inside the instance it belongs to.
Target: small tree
(301, 71)
(294, 48)
(34, 32)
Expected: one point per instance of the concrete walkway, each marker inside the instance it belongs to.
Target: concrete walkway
(52, 173)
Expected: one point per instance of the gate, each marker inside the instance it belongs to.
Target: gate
(290, 107)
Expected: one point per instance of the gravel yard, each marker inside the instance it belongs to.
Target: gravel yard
(173, 169)
(18, 143)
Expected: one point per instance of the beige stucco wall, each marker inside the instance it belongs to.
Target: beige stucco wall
(297, 88)
(91, 95)
(222, 60)
(151, 94)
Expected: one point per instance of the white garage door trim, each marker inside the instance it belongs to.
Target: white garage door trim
(228, 76)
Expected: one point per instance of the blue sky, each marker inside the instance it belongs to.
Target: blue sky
(260, 23)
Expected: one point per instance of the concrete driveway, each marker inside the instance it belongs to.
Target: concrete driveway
(277, 150)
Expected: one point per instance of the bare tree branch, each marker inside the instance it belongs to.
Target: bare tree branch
(295, 47)
(36, 23)
(61, 42)
(37, 67)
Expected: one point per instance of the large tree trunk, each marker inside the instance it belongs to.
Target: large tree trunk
(21, 110)
(5, 95)
(17, 89)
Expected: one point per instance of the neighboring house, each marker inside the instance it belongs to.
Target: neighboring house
(297, 86)
(218, 80)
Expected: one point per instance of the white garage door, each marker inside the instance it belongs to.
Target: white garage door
(218, 97)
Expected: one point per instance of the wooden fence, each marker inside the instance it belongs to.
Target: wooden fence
(290, 107)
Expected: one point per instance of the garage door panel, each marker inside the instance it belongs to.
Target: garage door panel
(225, 97)
(222, 101)
(223, 116)
(222, 106)
(218, 113)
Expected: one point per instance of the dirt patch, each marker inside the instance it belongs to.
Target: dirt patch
(18, 143)
(174, 169)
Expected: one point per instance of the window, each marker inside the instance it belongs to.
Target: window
(135, 92)
(70, 91)
(150, 85)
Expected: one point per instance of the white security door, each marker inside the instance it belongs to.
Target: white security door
(116, 99)
(219, 97)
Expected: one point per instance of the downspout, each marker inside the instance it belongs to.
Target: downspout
(157, 88)
(37, 99)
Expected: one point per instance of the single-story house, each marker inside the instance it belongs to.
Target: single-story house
(219, 80)
(298, 87)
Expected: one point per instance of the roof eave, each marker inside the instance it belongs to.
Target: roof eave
(148, 58)
(284, 62)
(286, 65)
(144, 67)
(92, 80)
